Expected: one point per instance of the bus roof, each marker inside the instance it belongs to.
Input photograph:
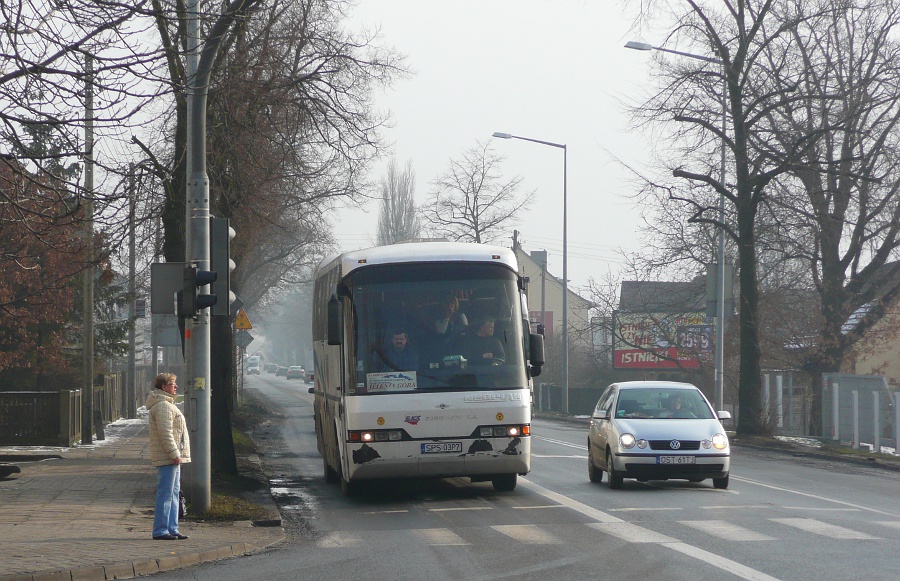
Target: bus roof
(420, 252)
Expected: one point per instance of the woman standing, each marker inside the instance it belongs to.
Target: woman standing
(170, 447)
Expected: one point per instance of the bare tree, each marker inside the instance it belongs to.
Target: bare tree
(398, 220)
(839, 207)
(737, 36)
(471, 202)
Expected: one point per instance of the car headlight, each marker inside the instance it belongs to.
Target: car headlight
(626, 441)
(720, 441)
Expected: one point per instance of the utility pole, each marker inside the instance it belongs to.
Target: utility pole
(197, 330)
(87, 342)
(129, 406)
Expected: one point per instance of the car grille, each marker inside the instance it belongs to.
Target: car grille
(667, 445)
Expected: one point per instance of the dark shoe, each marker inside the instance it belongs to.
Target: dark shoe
(180, 536)
(165, 538)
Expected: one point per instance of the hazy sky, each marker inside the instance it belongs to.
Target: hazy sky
(553, 70)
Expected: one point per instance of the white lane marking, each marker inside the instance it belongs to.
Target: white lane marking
(734, 506)
(721, 562)
(821, 509)
(387, 511)
(527, 534)
(642, 509)
(588, 511)
(824, 529)
(808, 495)
(441, 537)
(339, 540)
(539, 506)
(726, 531)
(889, 523)
(631, 533)
(562, 443)
(458, 508)
(600, 516)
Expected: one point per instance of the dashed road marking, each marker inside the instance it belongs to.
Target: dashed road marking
(726, 531)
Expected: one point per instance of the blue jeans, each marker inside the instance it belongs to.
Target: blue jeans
(165, 515)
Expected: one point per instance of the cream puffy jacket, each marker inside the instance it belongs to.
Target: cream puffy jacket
(168, 430)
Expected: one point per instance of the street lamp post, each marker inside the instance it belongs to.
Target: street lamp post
(720, 251)
(565, 274)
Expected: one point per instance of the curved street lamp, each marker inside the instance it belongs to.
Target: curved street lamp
(720, 251)
(565, 277)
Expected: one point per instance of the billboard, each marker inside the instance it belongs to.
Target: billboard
(661, 340)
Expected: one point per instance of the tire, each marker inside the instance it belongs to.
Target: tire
(594, 473)
(348, 488)
(331, 475)
(615, 480)
(721, 483)
(504, 482)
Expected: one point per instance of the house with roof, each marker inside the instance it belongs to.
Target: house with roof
(545, 299)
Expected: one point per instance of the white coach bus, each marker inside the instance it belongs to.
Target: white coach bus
(423, 364)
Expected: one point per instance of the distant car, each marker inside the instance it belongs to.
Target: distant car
(253, 370)
(657, 430)
(271, 368)
(282, 371)
(309, 377)
(296, 372)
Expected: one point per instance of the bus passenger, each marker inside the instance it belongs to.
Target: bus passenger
(483, 348)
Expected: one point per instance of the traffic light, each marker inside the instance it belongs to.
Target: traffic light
(191, 301)
(220, 235)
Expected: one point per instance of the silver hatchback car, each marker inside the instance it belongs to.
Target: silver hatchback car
(657, 430)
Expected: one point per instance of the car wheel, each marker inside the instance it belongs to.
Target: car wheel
(615, 481)
(504, 482)
(721, 482)
(594, 473)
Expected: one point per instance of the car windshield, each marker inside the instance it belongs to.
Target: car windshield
(440, 326)
(662, 404)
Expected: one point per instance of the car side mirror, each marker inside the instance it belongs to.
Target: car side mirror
(723, 415)
(312, 390)
(601, 415)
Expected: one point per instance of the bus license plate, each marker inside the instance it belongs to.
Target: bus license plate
(441, 447)
(675, 460)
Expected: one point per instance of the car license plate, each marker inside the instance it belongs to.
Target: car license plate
(441, 447)
(675, 460)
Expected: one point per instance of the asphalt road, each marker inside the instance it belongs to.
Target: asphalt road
(781, 518)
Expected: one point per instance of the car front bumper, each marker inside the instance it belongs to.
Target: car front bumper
(648, 466)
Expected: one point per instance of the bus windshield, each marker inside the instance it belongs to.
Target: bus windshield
(435, 326)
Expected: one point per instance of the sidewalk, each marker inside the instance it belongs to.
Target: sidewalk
(88, 514)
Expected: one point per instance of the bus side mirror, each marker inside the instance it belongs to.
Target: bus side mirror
(536, 353)
(334, 321)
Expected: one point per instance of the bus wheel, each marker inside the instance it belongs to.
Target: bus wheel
(504, 482)
(349, 488)
(331, 475)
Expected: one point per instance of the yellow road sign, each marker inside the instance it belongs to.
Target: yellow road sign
(241, 321)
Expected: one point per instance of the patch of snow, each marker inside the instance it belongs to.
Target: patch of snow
(811, 442)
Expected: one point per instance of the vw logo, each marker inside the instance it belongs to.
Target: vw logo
(675, 444)
(443, 406)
